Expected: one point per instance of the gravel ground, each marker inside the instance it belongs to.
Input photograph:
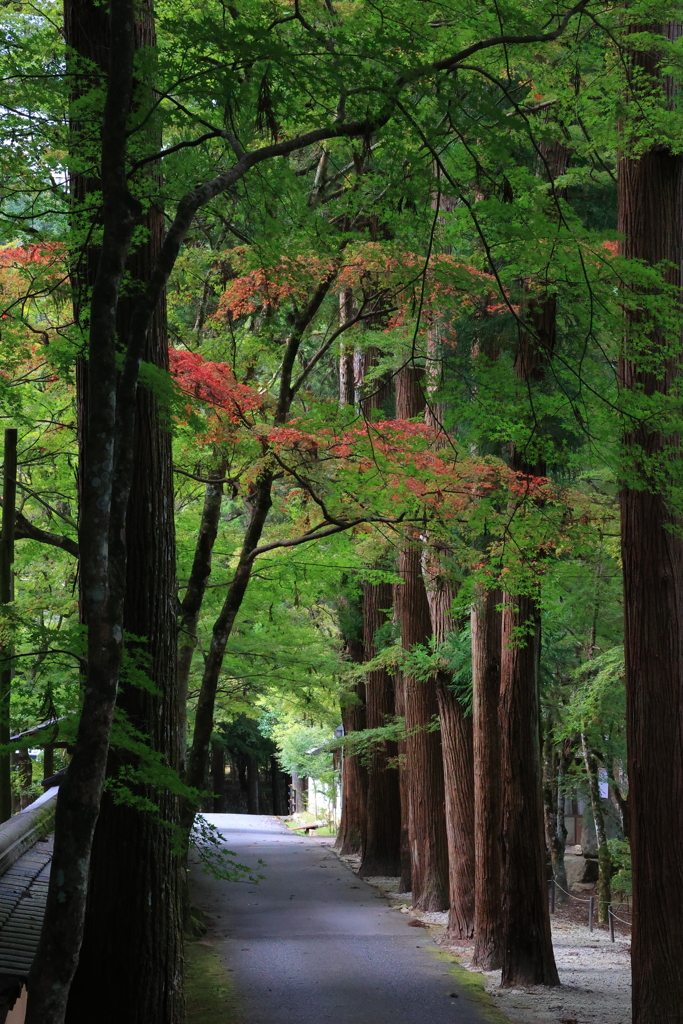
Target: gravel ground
(595, 976)
(595, 973)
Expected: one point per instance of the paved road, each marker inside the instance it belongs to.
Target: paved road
(312, 943)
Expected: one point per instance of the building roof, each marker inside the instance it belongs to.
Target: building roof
(23, 894)
(25, 861)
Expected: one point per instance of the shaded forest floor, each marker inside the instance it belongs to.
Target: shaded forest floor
(209, 991)
(595, 973)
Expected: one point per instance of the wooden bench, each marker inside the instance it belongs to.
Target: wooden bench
(310, 827)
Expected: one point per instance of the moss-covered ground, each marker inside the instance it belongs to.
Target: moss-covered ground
(210, 994)
(471, 985)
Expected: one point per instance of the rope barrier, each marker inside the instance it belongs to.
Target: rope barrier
(627, 923)
(570, 894)
(592, 902)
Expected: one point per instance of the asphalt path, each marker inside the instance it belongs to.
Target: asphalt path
(313, 943)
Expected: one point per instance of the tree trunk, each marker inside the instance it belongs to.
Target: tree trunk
(133, 849)
(352, 827)
(406, 880)
(486, 625)
(427, 824)
(528, 951)
(604, 860)
(458, 765)
(554, 768)
(106, 487)
(194, 595)
(140, 937)
(651, 223)
(427, 819)
(458, 757)
(252, 785)
(382, 850)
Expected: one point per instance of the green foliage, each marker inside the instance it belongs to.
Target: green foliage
(620, 854)
(452, 289)
(300, 750)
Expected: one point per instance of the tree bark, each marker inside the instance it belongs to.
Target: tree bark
(382, 850)
(427, 818)
(107, 480)
(141, 935)
(406, 879)
(651, 223)
(427, 824)
(486, 627)
(527, 951)
(458, 758)
(458, 765)
(352, 827)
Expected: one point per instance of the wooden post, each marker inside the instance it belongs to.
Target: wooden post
(611, 923)
(9, 499)
(591, 911)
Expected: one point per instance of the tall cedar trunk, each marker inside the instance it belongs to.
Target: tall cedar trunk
(528, 957)
(406, 879)
(527, 951)
(456, 728)
(252, 785)
(352, 834)
(382, 850)
(458, 763)
(486, 628)
(106, 482)
(352, 827)
(604, 860)
(554, 769)
(139, 938)
(458, 760)
(427, 823)
(651, 223)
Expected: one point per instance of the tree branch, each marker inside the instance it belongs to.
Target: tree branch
(25, 530)
(218, 133)
(326, 345)
(316, 533)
